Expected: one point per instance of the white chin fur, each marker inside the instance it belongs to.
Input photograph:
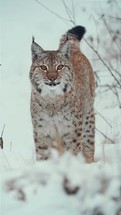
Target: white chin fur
(51, 91)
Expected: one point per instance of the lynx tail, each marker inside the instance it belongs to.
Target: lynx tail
(77, 31)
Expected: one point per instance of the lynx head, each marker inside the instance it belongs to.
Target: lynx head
(51, 71)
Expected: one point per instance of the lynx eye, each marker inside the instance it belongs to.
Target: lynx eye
(43, 67)
(60, 67)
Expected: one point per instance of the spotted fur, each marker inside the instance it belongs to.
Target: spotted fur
(62, 98)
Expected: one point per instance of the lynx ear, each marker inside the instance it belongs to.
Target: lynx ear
(36, 50)
(65, 49)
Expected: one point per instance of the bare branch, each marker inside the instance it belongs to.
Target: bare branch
(68, 11)
(53, 12)
(104, 118)
(105, 136)
(3, 130)
(113, 17)
(116, 71)
(114, 89)
(104, 63)
(110, 33)
(73, 12)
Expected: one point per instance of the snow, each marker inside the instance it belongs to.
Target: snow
(63, 185)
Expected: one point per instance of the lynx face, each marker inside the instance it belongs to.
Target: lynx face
(51, 73)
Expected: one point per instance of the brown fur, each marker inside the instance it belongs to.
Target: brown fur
(62, 100)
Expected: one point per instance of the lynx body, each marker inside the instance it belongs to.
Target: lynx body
(62, 99)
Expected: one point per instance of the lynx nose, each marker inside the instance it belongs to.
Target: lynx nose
(52, 76)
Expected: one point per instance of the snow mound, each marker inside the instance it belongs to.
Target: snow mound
(64, 185)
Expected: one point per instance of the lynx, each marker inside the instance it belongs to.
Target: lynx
(62, 98)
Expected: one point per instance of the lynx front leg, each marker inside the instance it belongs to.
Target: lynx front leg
(45, 142)
(88, 137)
(42, 144)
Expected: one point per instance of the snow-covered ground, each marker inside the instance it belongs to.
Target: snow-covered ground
(62, 185)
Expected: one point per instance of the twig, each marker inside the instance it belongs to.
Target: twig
(73, 11)
(6, 160)
(96, 24)
(105, 135)
(104, 63)
(3, 130)
(110, 33)
(116, 71)
(113, 17)
(117, 95)
(104, 119)
(1, 139)
(53, 12)
(67, 11)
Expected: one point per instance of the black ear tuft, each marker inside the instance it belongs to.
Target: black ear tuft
(36, 50)
(77, 31)
(33, 38)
